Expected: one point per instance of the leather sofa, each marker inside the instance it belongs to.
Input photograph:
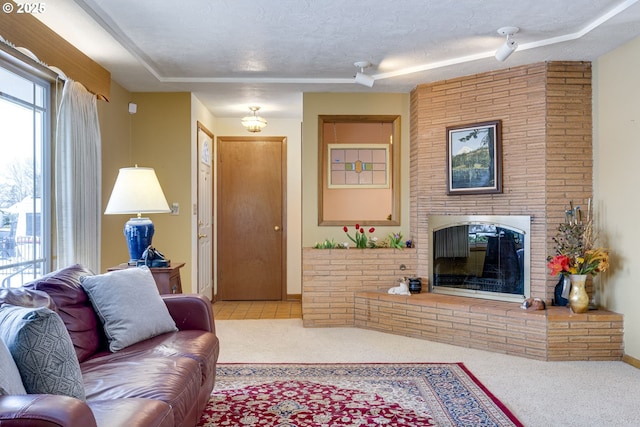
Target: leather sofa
(162, 381)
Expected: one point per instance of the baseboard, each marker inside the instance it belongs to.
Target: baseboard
(631, 361)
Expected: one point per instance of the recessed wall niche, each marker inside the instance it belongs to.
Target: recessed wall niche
(358, 170)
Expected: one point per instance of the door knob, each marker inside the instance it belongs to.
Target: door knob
(276, 228)
(201, 236)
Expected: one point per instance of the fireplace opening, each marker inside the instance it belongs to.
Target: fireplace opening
(480, 256)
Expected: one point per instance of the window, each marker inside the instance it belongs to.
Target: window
(24, 176)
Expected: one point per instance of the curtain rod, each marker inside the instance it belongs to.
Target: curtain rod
(21, 56)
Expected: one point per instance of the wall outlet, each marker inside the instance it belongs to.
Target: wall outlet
(175, 208)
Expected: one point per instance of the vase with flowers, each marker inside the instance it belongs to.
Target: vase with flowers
(360, 238)
(395, 240)
(577, 256)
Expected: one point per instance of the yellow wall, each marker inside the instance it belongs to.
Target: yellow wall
(616, 152)
(163, 134)
(115, 128)
(315, 104)
(161, 139)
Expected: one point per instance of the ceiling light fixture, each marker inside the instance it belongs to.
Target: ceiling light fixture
(254, 123)
(509, 45)
(362, 78)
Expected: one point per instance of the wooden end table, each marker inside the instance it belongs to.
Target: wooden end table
(167, 278)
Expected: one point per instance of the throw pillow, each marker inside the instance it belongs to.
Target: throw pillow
(10, 380)
(26, 298)
(74, 307)
(129, 305)
(42, 350)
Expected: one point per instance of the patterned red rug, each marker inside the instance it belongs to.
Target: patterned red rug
(364, 394)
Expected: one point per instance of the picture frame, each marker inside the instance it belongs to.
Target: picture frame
(474, 158)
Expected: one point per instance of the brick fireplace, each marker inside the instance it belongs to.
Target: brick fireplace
(545, 110)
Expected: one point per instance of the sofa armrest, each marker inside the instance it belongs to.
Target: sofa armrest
(44, 410)
(191, 311)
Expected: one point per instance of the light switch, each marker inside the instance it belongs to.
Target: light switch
(175, 208)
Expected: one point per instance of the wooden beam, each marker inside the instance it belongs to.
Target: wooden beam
(24, 30)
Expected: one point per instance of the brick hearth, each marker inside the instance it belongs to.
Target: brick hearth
(501, 327)
(349, 288)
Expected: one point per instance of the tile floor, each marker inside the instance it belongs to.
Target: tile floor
(238, 310)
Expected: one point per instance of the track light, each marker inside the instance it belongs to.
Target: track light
(362, 78)
(509, 45)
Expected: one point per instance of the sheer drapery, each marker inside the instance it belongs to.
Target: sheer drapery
(78, 174)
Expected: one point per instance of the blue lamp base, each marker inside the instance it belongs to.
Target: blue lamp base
(139, 233)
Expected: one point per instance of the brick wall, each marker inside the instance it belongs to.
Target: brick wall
(330, 278)
(545, 110)
(497, 326)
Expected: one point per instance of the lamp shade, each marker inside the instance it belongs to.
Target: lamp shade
(137, 191)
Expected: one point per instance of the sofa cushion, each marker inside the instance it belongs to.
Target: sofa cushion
(129, 305)
(145, 372)
(10, 381)
(73, 306)
(26, 298)
(132, 412)
(42, 349)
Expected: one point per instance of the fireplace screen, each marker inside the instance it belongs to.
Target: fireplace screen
(473, 257)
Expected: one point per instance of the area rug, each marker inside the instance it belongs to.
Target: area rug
(353, 395)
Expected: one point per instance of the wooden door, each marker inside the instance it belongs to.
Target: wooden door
(251, 217)
(205, 212)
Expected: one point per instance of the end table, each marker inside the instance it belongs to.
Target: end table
(167, 278)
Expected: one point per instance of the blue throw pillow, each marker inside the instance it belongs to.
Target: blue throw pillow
(10, 380)
(42, 350)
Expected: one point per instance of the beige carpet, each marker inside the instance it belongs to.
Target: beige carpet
(545, 394)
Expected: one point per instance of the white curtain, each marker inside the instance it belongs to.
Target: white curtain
(78, 175)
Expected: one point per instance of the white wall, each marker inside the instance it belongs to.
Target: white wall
(616, 151)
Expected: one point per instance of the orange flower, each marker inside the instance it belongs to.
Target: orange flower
(559, 264)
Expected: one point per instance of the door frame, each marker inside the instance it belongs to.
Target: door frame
(209, 289)
(283, 190)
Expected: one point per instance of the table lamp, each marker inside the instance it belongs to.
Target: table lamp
(137, 191)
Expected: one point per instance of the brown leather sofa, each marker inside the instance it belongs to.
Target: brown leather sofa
(162, 381)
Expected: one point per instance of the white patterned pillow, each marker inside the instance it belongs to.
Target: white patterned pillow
(10, 381)
(42, 350)
(129, 305)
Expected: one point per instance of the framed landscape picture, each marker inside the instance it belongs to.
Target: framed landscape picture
(474, 158)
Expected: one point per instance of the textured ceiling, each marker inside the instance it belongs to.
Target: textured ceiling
(237, 53)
